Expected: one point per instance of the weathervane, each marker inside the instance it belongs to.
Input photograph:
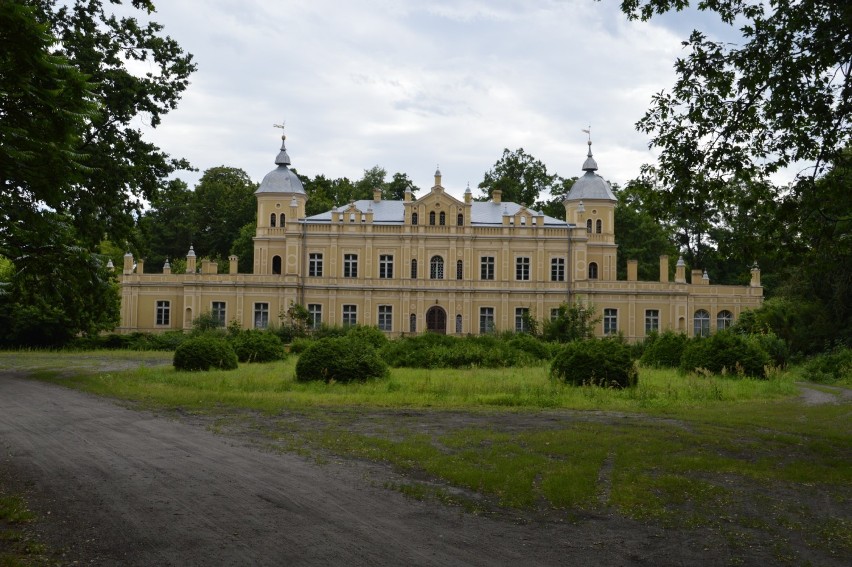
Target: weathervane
(589, 132)
(283, 122)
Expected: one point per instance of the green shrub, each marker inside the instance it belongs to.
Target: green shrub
(664, 350)
(834, 366)
(341, 359)
(329, 331)
(433, 350)
(205, 352)
(370, 335)
(257, 346)
(725, 351)
(299, 345)
(531, 345)
(596, 362)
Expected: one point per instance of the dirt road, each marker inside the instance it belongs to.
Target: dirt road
(115, 486)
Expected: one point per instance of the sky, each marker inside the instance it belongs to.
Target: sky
(413, 86)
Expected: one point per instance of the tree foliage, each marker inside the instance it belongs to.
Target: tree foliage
(223, 203)
(519, 176)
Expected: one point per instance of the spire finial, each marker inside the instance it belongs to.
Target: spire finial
(282, 158)
(590, 164)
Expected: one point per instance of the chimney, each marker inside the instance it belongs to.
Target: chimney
(128, 264)
(190, 261)
(468, 196)
(680, 271)
(232, 264)
(496, 196)
(755, 276)
(632, 270)
(377, 195)
(664, 268)
(407, 196)
(695, 278)
(140, 266)
(167, 268)
(437, 178)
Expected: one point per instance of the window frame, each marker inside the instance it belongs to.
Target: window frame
(486, 268)
(163, 314)
(350, 265)
(486, 320)
(218, 308)
(610, 321)
(652, 321)
(593, 270)
(263, 312)
(522, 268)
(724, 319)
(386, 266)
(384, 319)
(557, 269)
(701, 323)
(520, 321)
(349, 315)
(315, 264)
(436, 267)
(315, 315)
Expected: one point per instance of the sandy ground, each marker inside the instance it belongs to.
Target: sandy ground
(116, 486)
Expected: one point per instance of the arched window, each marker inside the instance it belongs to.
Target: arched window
(460, 220)
(414, 269)
(272, 220)
(598, 226)
(701, 323)
(414, 218)
(589, 226)
(724, 319)
(276, 265)
(593, 271)
(431, 218)
(458, 324)
(459, 270)
(281, 224)
(442, 218)
(412, 323)
(436, 268)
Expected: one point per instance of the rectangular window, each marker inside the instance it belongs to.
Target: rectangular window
(261, 315)
(315, 265)
(557, 269)
(414, 269)
(554, 314)
(350, 265)
(522, 269)
(315, 312)
(486, 320)
(217, 313)
(521, 316)
(164, 313)
(385, 317)
(386, 266)
(610, 321)
(350, 315)
(486, 270)
(652, 320)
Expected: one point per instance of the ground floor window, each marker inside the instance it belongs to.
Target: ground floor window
(385, 317)
(261, 315)
(724, 320)
(701, 323)
(412, 323)
(458, 324)
(610, 321)
(554, 314)
(486, 320)
(521, 318)
(652, 320)
(315, 315)
(164, 313)
(217, 313)
(350, 315)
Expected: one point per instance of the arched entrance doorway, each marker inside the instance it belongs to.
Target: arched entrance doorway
(436, 320)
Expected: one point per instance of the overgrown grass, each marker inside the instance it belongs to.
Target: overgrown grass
(738, 456)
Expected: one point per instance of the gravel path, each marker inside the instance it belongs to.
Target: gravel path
(122, 487)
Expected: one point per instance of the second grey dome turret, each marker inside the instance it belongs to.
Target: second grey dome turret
(590, 185)
(281, 179)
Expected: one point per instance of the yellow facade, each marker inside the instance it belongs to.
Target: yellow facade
(434, 263)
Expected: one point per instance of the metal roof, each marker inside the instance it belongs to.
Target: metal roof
(591, 185)
(281, 179)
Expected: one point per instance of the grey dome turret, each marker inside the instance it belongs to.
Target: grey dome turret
(281, 179)
(590, 185)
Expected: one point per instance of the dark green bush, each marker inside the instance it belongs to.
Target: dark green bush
(834, 366)
(532, 346)
(329, 331)
(257, 346)
(433, 350)
(299, 345)
(595, 362)
(341, 359)
(725, 351)
(370, 335)
(664, 350)
(204, 352)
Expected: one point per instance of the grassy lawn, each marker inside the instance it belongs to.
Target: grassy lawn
(742, 457)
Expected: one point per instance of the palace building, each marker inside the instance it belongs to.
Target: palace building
(435, 263)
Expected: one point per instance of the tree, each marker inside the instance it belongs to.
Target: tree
(72, 170)
(374, 178)
(223, 202)
(519, 176)
(395, 189)
(639, 236)
(167, 229)
(555, 205)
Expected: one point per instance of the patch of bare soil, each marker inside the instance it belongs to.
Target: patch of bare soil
(113, 485)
